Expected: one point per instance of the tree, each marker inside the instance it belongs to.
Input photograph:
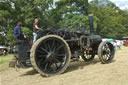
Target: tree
(67, 7)
(26, 31)
(110, 21)
(74, 21)
(10, 39)
(5, 15)
(2, 39)
(124, 20)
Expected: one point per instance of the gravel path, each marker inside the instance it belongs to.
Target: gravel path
(78, 73)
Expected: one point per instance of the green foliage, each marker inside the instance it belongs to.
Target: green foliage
(2, 39)
(71, 6)
(65, 7)
(111, 22)
(74, 21)
(10, 39)
(26, 31)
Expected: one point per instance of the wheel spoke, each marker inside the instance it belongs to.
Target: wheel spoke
(54, 48)
(39, 63)
(46, 47)
(53, 44)
(40, 56)
(104, 57)
(56, 65)
(39, 51)
(57, 60)
(59, 47)
(49, 47)
(46, 66)
(43, 50)
(60, 55)
(108, 56)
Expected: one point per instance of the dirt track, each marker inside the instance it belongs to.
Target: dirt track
(78, 73)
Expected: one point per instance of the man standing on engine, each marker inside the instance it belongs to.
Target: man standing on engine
(18, 33)
(35, 29)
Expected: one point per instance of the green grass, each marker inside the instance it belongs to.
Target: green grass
(4, 61)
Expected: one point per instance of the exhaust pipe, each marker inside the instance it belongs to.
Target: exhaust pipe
(91, 23)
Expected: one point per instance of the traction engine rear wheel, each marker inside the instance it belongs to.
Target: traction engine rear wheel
(106, 52)
(50, 55)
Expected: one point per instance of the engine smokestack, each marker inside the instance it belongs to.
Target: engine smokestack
(91, 23)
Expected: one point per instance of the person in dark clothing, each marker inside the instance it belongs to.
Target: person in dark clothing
(21, 46)
(18, 33)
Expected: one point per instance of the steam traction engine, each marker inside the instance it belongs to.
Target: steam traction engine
(54, 49)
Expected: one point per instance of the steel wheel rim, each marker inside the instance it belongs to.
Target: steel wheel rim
(51, 55)
(108, 52)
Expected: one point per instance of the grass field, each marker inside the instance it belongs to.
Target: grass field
(4, 60)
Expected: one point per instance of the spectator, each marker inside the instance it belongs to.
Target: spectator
(118, 44)
(115, 45)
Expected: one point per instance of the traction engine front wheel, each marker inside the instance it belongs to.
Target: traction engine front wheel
(106, 52)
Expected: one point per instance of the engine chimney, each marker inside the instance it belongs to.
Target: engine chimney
(91, 23)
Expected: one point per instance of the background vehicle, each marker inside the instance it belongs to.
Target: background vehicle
(3, 50)
(125, 42)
